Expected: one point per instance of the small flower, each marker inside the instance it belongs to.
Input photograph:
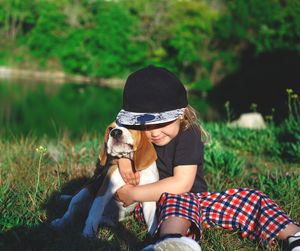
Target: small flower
(289, 90)
(41, 150)
(273, 110)
(269, 117)
(227, 103)
(295, 96)
(253, 107)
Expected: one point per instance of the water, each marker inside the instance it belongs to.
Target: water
(43, 108)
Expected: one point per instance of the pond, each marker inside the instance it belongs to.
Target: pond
(44, 108)
(47, 108)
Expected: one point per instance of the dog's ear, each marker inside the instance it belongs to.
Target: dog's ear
(101, 162)
(145, 153)
(103, 154)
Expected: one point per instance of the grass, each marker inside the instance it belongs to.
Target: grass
(31, 181)
(35, 170)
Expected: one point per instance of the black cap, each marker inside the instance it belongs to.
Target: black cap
(152, 95)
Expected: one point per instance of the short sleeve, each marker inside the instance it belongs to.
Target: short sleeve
(189, 148)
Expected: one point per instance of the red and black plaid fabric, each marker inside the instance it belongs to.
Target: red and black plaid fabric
(248, 210)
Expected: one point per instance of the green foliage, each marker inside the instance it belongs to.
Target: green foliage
(258, 142)
(275, 142)
(201, 41)
(47, 35)
(100, 45)
(267, 25)
(190, 30)
(289, 139)
(222, 161)
(14, 16)
(289, 133)
(104, 48)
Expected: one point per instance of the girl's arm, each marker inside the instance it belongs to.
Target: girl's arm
(181, 182)
(128, 174)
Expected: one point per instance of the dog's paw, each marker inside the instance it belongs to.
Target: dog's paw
(88, 233)
(58, 223)
(65, 197)
(90, 230)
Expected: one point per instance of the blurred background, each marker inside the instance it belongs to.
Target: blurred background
(238, 52)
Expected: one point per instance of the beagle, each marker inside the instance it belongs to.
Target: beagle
(96, 198)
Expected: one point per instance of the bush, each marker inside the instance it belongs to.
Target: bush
(289, 139)
(258, 142)
(266, 25)
(49, 32)
(222, 161)
(105, 48)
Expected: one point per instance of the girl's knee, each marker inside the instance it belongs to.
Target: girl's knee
(175, 225)
(253, 192)
(166, 197)
(177, 199)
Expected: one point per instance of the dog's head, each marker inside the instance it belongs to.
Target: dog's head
(133, 144)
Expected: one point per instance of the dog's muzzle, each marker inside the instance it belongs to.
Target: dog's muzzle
(116, 133)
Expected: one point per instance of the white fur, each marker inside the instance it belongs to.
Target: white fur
(95, 216)
(120, 149)
(100, 210)
(80, 203)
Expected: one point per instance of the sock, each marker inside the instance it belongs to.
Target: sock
(170, 236)
(294, 242)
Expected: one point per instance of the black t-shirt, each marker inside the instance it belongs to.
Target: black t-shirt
(185, 149)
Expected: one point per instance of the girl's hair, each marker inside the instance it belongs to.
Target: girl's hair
(190, 119)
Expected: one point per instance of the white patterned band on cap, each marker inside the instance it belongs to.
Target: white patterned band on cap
(137, 118)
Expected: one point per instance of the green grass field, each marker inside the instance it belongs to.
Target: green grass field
(32, 178)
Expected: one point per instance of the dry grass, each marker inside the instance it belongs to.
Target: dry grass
(65, 168)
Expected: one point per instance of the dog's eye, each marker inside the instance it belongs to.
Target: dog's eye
(110, 128)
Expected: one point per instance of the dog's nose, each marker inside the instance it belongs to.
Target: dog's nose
(116, 133)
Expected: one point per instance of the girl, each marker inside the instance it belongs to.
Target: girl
(155, 100)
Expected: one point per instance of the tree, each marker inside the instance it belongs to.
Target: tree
(263, 25)
(14, 16)
(190, 28)
(103, 46)
(50, 30)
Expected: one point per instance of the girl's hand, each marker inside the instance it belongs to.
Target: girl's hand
(129, 175)
(124, 195)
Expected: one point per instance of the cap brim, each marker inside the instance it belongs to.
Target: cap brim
(136, 118)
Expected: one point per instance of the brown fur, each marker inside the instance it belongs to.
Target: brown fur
(144, 156)
(102, 190)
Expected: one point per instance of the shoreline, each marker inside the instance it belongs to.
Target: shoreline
(58, 77)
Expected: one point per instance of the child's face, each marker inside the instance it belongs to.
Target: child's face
(162, 134)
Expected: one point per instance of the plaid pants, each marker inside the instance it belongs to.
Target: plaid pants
(248, 210)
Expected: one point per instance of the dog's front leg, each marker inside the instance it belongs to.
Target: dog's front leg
(80, 203)
(150, 175)
(95, 214)
(149, 212)
(93, 220)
